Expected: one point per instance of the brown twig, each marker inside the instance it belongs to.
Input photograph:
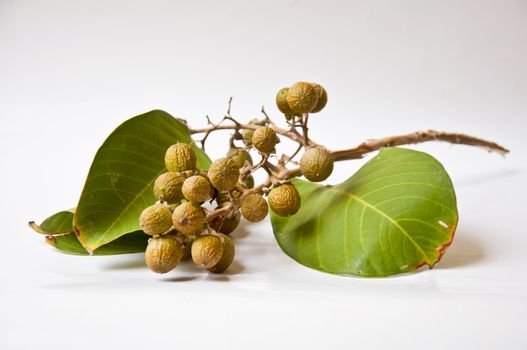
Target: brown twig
(305, 129)
(414, 138)
(294, 136)
(219, 212)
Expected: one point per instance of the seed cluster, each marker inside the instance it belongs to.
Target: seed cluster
(197, 210)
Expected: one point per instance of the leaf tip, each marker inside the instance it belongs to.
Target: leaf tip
(35, 227)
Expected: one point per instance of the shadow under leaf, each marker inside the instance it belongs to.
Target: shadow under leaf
(465, 250)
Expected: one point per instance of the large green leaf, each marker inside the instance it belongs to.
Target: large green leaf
(119, 183)
(59, 230)
(398, 212)
(134, 242)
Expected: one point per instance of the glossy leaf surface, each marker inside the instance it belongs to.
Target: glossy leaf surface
(119, 183)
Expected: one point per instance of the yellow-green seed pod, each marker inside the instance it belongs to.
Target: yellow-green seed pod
(284, 200)
(254, 207)
(226, 224)
(248, 181)
(247, 136)
(302, 97)
(265, 139)
(239, 157)
(180, 157)
(223, 174)
(316, 164)
(281, 102)
(207, 251)
(163, 253)
(155, 219)
(167, 187)
(197, 189)
(322, 98)
(227, 256)
(188, 218)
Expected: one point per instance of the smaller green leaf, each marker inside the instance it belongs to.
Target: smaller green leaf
(59, 230)
(134, 242)
(59, 223)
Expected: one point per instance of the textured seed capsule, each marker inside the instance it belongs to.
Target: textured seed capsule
(265, 139)
(223, 174)
(226, 224)
(239, 157)
(254, 207)
(167, 187)
(281, 102)
(155, 219)
(284, 200)
(188, 218)
(207, 251)
(302, 97)
(163, 253)
(227, 256)
(322, 98)
(197, 189)
(316, 164)
(180, 157)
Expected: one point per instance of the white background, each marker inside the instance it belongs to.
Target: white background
(71, 71)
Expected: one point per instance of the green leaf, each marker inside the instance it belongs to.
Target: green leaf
(134, 242)
(397, 213)
(59, 223)
(119, 183)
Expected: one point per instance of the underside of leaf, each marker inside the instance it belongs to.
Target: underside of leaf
(397, 213)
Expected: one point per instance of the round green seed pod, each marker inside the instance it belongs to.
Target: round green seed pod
(316, 164)
(302, 97)
(281, 102)
(265, 139)
(188, 218)
(155, 219)
(248, 181)
(163, 253)
(223, 174)
(254, 207)
(180, 157)
(226, 223)
(322, 98)
(197, 189)
(227, 256)
(207, 251)
(284, 200)
(167, 187)
(239, 157)
(247, 136)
